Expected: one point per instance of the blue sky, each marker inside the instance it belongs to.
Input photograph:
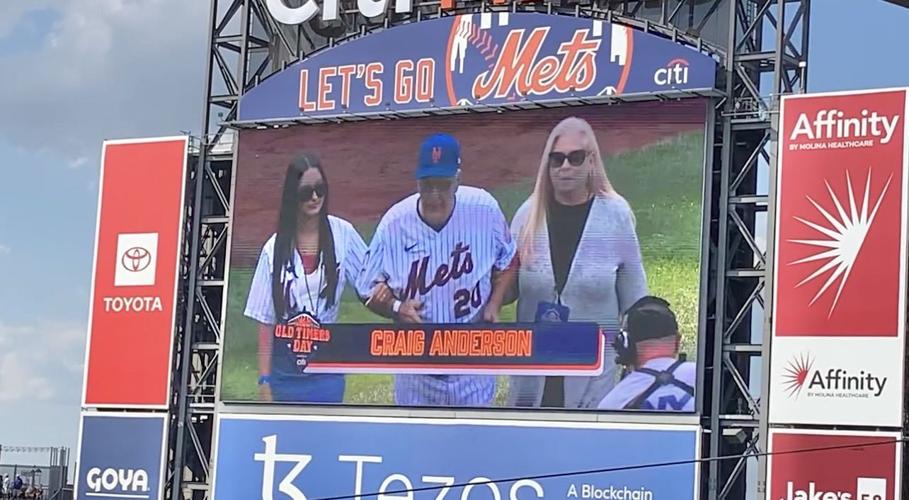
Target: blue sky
(89, 70)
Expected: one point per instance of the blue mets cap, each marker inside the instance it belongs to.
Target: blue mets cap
(440, 156)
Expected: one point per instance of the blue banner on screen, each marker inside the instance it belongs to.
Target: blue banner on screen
(285, 457)
(121, 456)
(507, 349)
(490, 59)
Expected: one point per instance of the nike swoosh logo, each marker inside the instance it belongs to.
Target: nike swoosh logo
(411, 247)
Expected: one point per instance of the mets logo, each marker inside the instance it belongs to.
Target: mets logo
(487, 61)
(436, 154)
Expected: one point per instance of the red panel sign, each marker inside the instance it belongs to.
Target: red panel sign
(131, 321)
(809, 464)
(840, 264)
(840, 221)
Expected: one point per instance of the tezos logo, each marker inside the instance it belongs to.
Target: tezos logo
(290, 484)
(675, 73)
(866, 488)
(118, 482)
(137, 255)
(830, 382)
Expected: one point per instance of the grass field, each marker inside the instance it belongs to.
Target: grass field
(663, 185)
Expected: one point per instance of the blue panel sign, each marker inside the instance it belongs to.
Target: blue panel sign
(553, 348)
(276, 457)
(121, 456)
(489, 59)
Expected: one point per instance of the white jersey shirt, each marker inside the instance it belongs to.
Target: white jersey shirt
(449, 271)
(667, 397)
(306, 290)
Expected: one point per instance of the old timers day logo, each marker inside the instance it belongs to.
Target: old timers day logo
(839, 220)
(491, 59)
(302, 335)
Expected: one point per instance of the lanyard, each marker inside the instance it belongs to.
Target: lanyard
(321, 268)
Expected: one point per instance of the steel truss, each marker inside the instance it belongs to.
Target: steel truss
(762, 47)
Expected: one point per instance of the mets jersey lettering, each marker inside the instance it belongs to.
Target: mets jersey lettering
(449, 271)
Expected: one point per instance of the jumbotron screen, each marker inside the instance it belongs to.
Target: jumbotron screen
(543, 258)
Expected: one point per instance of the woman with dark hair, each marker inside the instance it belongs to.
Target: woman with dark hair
(302, 270)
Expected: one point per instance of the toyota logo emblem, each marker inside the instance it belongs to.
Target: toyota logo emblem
(135, 259)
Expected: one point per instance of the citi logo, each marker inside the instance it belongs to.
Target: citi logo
(833, 382)
(308, 9)
(125, 483)
(835, 124)
(866, 488)
(675, 73)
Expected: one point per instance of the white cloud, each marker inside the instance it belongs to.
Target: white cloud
(14, 10)
(107, 69)
(78, 162)
(21, 381)
(41, 362)
(5, 250)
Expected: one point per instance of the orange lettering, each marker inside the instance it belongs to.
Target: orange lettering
(451, 342)
(373, 83)
(487, 342)
(512, 67)
(403, 82)
(517, 69)
(435, 347)
(305, 104)
(326, 104)
(345, 72)
(375, 343)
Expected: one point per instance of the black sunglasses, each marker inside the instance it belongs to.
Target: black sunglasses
(575, 158)
(305, 192)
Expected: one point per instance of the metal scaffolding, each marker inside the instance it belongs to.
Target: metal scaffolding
(762, 48)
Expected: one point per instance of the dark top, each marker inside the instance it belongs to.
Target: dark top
(565, 224)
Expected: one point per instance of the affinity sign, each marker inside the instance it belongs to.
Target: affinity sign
(140, 210)
(287, 457)
(840, 263)
(490, 59)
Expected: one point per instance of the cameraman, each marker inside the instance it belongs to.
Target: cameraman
(648, 345)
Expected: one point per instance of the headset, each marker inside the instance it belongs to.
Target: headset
(625, 344)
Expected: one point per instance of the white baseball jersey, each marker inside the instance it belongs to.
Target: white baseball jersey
(665, 397)
(449, 271)
(305, 290)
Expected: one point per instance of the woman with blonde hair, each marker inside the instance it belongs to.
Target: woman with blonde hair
(579, 260)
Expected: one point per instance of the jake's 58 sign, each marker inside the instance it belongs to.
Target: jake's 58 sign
(478, 59)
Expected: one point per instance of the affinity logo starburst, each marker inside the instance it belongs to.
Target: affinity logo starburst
(841, 236)
(797, 374)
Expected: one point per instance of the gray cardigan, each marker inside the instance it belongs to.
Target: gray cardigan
(605, 278)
